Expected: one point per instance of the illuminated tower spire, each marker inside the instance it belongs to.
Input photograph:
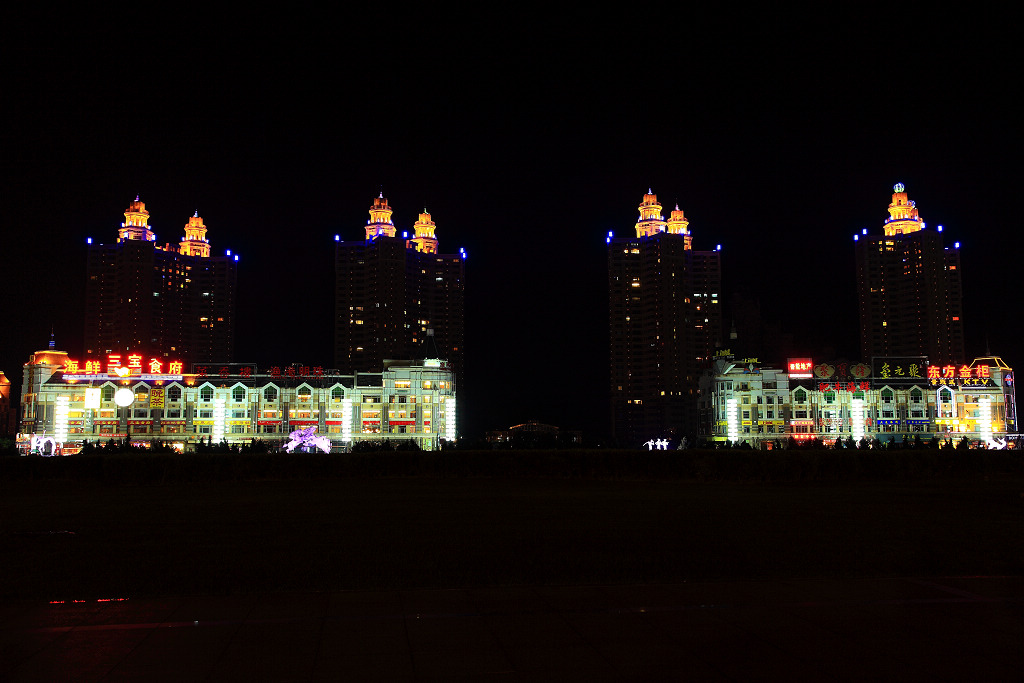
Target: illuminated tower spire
(424, 241)
(195, 242)
(136, 223)
(651, 221)
(903, 218)
(679, 225)
(380, 219)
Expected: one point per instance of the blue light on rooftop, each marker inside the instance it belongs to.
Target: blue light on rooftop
(956, 245)
(856, 238)
(337, 238)
(88, 240)
(940, 228)
(863, 231)
(236, 257)
(718, 247)
(229, 252)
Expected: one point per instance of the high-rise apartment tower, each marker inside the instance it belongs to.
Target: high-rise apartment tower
(397, 297)
(171, 300)
(665, 323)
(909, 289)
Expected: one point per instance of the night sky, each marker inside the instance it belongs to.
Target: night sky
(527, 151)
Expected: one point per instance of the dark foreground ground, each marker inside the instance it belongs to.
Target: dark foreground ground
(934, 629)
(510, 577)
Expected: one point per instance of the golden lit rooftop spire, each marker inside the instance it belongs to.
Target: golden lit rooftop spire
(651, 221)
(136, 223)
(424, 241)
(903, 218)
(195, 242)
(380, 219)
(679, 225)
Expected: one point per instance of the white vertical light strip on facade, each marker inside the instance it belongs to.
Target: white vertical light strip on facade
(218, 419)
(92, 398)
(732, 414)
(60, 419)
(449, 418)
(346, 420)
(985, 419)
(857, 418)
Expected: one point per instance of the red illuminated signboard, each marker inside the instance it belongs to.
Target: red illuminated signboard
(800, 368)
(131, 365)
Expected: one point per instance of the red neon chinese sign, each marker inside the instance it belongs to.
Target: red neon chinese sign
(800, 367)
(136, 365)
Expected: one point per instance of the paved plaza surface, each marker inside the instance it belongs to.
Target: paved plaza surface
(947, 628)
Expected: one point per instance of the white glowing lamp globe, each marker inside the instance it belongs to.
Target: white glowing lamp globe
(124, 397)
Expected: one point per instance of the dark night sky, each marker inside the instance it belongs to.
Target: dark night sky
(527, 151)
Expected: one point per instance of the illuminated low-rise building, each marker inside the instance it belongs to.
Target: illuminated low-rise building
(897, 399)
(7, 411)
(144, 399)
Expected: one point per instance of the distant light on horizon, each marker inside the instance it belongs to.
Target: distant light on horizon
(88, 240)
(856, 238)
(337, 238)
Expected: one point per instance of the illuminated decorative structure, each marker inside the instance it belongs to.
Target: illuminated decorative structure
(396, 297)
(70, 401)
(306, 438)
(195, 242)
(424, 241)
(172, 299)
(909, 289)
(664, 322)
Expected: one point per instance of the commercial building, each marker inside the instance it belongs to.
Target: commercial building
(893, 399)
(397, 297)
(7, 411)
(175, 300)
(143, 398)
(665, 323)
(909, 289)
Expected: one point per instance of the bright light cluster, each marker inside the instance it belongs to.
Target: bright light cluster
(346, 422)
(857, 418)
(218, 419)
(985, 418)
(60, 419)
(732, 413)
(92, 398)
(449, 419)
